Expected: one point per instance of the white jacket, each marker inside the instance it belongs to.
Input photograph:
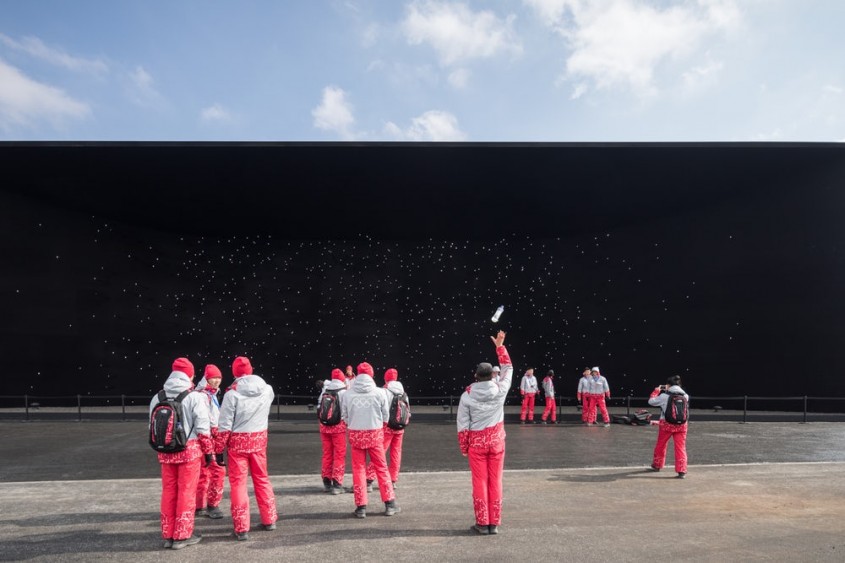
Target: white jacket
(194, 406)
(332, 385)
(662, 399)
(583, 385)
(393, 388)
(549, 387)
(364, 406)
(598, 386)
(482, 404)
(213, 404)
(246, 405)
(528, 384)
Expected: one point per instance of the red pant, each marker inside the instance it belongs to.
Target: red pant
(178, 498)
(334, 456)
(256, 464)
(585, 408)
(678, 432)
(527, 406)
(210, 487)
(551, 408)
(393, 442)
(487, 465)
(593, 401)
(369, 442)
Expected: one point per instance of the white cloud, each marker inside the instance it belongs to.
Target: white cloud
(620, 43)
(697, 76)
(457, 33)
(142, 88)
(459, 78)
(433, 125)
(215, 113)
(24, 101)
(334, 113)
(36, 48)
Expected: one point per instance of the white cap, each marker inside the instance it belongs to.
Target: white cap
(497, 368)
(596, 369)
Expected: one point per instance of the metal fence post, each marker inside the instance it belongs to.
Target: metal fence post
(744, 409)
(79, 406)
(450, 406)
(805, 409)
(123, 406)
(628, 406)
(278, 407)
(26, 405)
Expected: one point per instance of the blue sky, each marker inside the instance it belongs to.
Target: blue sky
(423, 70)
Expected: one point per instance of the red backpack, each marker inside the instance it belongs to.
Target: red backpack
(167, 434)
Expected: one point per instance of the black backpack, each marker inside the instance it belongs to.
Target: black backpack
(328, 411)
(167, 434)
(399, 414)
(677, 409)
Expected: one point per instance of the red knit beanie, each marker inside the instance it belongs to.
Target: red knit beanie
(241, 366)
(364, 367)
(391, 375)
(337, 374)
(184, 365)
(212, 371)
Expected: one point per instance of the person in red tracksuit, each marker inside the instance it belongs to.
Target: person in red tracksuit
(481, 437)
(213, 475)
(180, 471)
(392, 438)
(364, 408)
(528, 388)
(678, 432)
(583, 396)
(244, 415)
(549, 391)
(333, 439)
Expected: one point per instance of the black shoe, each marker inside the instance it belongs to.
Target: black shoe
(480, 530)
(168, 543)
(494, 530)
(522, 422)
(390, 508)
(215, 513)
(201, 511)
(682, 475)
(241, 536)
(327, 484)
(369, 486)
(654, 468)
(360, 512)
(269, 527)
(179, 544)
(337, 490)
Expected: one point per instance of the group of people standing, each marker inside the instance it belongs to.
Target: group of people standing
(363, 421)
(593, 390)
(192, 479)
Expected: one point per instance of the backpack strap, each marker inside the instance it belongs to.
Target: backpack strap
(162, 396)
(181, 396)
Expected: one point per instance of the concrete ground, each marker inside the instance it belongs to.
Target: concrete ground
(87, 491)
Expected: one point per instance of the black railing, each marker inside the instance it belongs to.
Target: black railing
(133, 407)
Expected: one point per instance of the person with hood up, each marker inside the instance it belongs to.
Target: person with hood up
(364, 408)
(180, 471)
(598, 391)
(528, 389)
(392, 438)
(549, 391)
(333, 439)
(212, 475)
(481, 437)
(678, 432)
(243, 431)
